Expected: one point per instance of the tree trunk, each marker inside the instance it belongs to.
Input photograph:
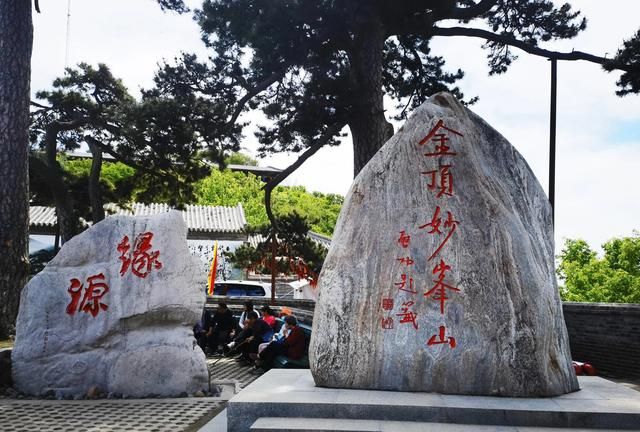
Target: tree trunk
(16, 40)
(95, 195)
(67, 218)
(369, 126)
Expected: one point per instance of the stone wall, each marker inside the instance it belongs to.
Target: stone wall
(606, 335)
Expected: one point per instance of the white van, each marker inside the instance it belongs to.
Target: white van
(242, 288)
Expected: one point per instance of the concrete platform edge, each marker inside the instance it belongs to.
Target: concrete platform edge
(290, 393)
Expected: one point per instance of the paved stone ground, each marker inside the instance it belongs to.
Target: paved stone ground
(109, 415)
(149, 415)
(226, 369)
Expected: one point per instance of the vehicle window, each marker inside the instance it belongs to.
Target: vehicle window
(231, 290)
(255, 290)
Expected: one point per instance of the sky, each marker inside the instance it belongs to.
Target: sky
(598, 133)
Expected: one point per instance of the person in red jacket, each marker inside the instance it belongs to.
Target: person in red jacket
(292, 346)
(268, 316)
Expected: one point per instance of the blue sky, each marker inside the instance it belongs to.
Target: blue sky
(625, 132)
(598, 152)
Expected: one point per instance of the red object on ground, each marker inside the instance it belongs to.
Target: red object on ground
(578, 367)
(588, 369)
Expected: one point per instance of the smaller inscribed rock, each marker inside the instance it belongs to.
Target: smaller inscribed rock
(440, 277)
(114, 311)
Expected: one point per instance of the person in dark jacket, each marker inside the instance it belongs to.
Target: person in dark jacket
(293, 345)
(242, 330)
(260, 332)
(218, 327)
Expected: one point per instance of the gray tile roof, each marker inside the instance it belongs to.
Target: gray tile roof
(201, 220)
(319, 239)
(42, 217)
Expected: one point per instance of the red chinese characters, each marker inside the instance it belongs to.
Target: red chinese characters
(142, 260)
(404, 239)
(91, 300)
(406, 284)
(387, 304)
(408, 316)
(440, 139)
(440, 181)
(439, 290)
(441, 339)
(402, 285)
(450, 224)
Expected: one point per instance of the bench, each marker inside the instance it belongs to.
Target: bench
(284, 362)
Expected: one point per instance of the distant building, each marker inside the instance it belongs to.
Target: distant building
(203, 222)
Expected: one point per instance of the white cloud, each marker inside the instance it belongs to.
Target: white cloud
(596, 181)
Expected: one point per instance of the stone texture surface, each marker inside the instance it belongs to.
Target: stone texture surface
(507, 319)
(141, 343)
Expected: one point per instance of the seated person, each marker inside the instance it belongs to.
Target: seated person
(242, 330)
(260, 332)
(218, 327)
(277, 338)
(269, 316)
(242, 323)
(293, 345)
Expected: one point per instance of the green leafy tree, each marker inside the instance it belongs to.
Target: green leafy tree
(160, 136)
(238, 158)
(313, 67)
(615, 278)
(227, 188)
(295, 253)
(118, 184)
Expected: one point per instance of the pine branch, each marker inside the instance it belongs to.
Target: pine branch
(471, 12)
(275, 181)
(260, 87)
(531, 49)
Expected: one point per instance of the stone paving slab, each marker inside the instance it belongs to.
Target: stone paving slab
(120, 415)
(128, 415)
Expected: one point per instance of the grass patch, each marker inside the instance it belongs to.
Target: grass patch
(6, 343)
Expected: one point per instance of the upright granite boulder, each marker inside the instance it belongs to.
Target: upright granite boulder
(114, 310)
(440, 276)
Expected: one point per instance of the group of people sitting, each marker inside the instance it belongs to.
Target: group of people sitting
(254, 337)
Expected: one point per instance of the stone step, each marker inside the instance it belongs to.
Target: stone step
(282, 424)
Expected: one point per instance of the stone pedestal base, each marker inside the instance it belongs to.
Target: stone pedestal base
(601, 404)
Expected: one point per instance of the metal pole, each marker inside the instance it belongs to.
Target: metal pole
(68, 38)
(552, 137)
(274, 251)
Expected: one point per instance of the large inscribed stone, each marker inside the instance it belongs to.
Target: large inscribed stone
(440, 276)
(114, 310)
